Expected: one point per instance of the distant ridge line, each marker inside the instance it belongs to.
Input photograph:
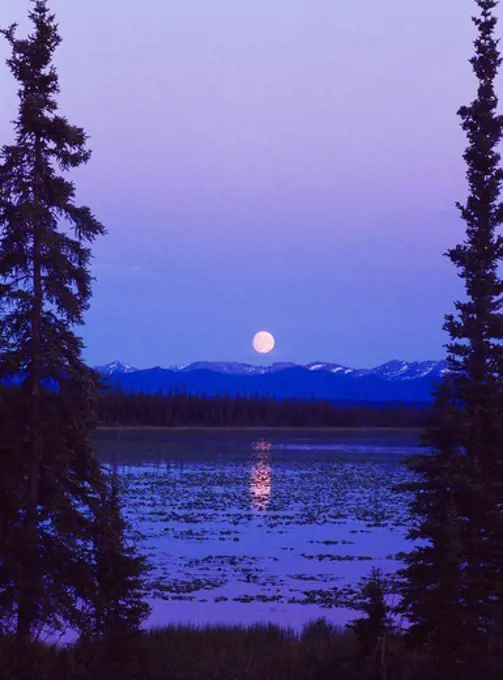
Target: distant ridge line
(393, 381)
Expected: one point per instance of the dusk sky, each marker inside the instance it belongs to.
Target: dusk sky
(288, 165)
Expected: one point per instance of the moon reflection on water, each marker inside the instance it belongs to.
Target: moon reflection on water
(260, 478)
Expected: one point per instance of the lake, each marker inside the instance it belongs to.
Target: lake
(271, 526)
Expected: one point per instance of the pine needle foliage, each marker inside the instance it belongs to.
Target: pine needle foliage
(50, 481)
(116, 607)
(453, 583)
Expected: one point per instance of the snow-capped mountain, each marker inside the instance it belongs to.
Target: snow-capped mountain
(235, 368)
(392, 370)
(392, 381)
(231, 367)
(404, 370)
(331, 368)
(116, 367)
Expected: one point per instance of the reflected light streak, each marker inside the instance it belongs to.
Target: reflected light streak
(260, 478)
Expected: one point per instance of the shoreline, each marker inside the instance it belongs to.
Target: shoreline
(201, 428)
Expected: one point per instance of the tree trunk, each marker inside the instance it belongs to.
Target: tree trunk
(30, 575)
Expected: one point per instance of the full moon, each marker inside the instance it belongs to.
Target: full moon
(263, 342)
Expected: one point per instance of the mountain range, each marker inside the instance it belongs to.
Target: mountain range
(393, 381)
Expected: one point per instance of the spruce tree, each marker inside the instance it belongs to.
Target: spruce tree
(48, 475)
(375, 624)
(453, 589)
(115, 603)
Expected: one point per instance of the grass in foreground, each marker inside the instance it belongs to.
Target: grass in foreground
(320, 652)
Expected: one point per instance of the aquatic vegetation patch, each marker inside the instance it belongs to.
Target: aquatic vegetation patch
(162, 587)
(329, 557)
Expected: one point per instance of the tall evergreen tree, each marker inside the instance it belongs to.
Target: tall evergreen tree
(53, 478)
(453, 591)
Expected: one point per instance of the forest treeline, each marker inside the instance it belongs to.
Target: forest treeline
(188, 410)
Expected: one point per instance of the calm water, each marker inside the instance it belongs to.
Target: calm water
(261, 526)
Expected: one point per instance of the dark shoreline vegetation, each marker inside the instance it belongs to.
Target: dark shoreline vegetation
(261, 652)
(186, 410)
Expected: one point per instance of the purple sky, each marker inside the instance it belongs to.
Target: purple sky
(288, 165)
